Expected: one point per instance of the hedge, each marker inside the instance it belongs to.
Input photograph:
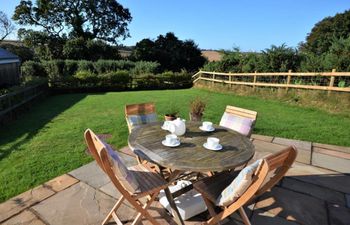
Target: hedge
(105, 75)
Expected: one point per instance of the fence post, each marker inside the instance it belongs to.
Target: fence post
(230, 79)
(288, 79)
(331, 82)
(213, 78)
(254, 81)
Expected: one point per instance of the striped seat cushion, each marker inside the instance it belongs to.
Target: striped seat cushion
(125, 176)
(238, 186)
(135, 120)
(240, 124)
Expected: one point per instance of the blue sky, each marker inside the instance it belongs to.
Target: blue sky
(224, 24)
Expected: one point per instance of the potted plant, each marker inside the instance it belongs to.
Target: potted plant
(197, 107)
(172, 115)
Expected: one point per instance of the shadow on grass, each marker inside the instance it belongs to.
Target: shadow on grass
(23, 129)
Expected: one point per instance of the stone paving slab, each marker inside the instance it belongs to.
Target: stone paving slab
(314, 190)
(332, 147)
(343, 155)
(110, 190)
(261, 217)
(293, 206)
(91, 174)
(305, 145)
(24, 218)
(160, 214)
(325, 178)
(339, 164)
(23, 201)
(338, 215)
(262, 137)
(78, 204)
(262, 146)
(60, 183)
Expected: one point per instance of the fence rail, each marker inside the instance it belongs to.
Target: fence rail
(10, 102)
(329, 81)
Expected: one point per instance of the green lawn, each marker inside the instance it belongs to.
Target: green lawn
(48, 140)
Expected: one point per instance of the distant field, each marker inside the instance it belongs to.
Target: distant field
(48, 140)
(212, 55)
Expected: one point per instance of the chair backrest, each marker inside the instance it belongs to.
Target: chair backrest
(262, 181)
(99, 150)
(241, 112)
(143, 109)
(238, 119)
(279, 163)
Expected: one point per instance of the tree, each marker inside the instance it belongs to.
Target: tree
(338, 56)
(45, 47)
(6, 26)
(172, 53)
(325, 32)
(99, 19)
(279, 59)
(93, 50)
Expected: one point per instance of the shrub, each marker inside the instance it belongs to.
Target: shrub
(54, 69)
(144, 67)
(148, 82)
(176, 80)
(103, 66)
(70, 67)
(86, 76)
(120, 78)
(32, 68)
(84, 65)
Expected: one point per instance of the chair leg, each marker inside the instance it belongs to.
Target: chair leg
(145, 207)
(115, 207)
(210, 207)
(244, 216)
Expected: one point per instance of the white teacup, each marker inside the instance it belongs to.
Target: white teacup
(171, 139)
(207, 125)
(212, 142)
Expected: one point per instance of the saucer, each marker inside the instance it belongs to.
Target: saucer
(212, 129)
(171, 145)
(218, 147)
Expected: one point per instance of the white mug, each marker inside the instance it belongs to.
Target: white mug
(212, 142)
(171, 139)
(207, 125)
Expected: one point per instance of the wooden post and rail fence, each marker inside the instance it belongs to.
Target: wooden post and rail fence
(11, 102)
(328, 81)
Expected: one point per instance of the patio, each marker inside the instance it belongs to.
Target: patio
(311, 193)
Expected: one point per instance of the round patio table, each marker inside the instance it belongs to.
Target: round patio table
(190, 155)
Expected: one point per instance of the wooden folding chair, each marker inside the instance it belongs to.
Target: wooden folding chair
(272, 169)
(138, 109)
(150, 183)
(244, 113)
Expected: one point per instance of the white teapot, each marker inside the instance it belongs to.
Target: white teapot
(177, 126)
